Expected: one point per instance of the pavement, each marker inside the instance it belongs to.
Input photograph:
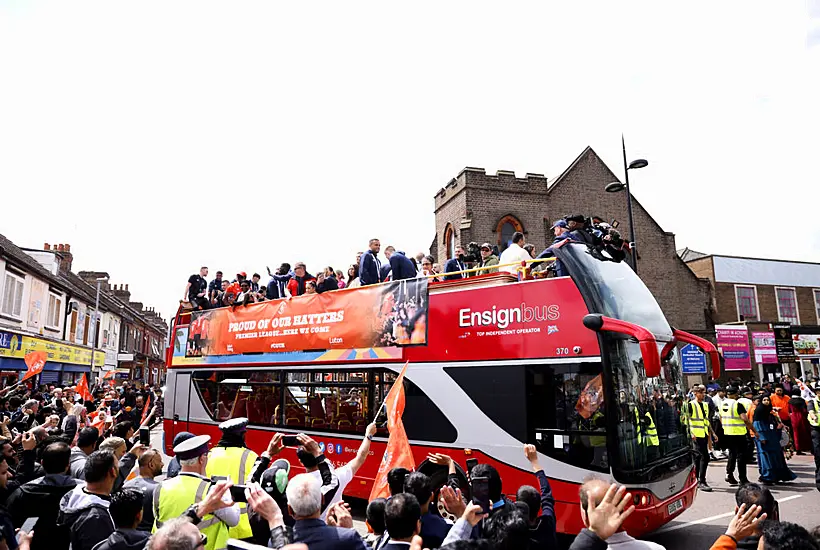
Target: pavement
(707, 519)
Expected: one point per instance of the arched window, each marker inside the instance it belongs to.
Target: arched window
(449, 241)
(505, 228)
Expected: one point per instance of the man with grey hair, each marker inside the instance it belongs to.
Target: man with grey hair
(177, 534)
(304, 494)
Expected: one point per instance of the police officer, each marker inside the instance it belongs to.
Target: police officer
(814, 421)
(231, 459)
(183, 493)
(735, 423)
(700, 428)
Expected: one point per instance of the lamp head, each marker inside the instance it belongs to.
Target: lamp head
(638, 163)
(614, 187)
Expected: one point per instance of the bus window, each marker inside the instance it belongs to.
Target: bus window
(254, 395)
(423, 420)
(327, 401)
(566, 413)
(650, 425)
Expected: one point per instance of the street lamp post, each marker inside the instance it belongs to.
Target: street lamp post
(617, 186)
(100, 281)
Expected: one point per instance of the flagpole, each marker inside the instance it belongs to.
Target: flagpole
(384, 399)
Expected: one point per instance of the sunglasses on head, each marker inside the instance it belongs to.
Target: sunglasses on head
(203, 540)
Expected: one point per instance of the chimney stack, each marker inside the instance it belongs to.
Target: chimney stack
(121, 292)
(66, 258)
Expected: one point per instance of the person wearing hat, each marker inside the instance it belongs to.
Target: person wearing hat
(232, 459)
(735, 421)
(488, 258)
(813, 406)
(701, 431)
(176, 497)
(560, 231)
(173, 466)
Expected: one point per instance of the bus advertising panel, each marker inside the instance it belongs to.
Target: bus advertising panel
(392, 314)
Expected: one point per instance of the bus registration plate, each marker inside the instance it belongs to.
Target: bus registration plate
(674, 506)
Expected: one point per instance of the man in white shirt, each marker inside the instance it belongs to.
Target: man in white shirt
(594, 491)
(344, 474)
(514, 254)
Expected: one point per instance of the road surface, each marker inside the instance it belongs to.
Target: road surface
(707, 519)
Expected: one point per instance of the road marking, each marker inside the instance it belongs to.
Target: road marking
(712, 518)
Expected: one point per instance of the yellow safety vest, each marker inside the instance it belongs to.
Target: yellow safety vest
(651, 432)
(235, 463)
(638, 425)
(814, 405)
(174, 496)
(729, 417)
(698, 421)
(597, 440)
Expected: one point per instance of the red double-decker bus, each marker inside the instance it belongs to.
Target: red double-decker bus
(585, 367)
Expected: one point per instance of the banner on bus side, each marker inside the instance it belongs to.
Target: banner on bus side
(391, 314)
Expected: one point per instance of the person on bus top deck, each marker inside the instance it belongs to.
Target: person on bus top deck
(560, 231)
(369, 265)
(232, 459)
(455, 265)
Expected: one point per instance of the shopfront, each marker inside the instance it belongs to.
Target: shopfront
(65, 364)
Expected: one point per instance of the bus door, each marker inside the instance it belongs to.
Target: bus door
(182, 398)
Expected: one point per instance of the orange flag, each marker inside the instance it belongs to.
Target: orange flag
(145, 409)
(82, 389)
(398, 452)
(35, 361)
(591, 398)
(110, 374)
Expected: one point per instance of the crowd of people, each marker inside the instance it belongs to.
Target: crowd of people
(64, 451)
(755, 424)
(82, 470)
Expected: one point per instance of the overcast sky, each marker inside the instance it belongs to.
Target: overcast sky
(155, 137)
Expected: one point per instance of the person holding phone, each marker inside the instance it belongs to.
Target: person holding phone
(182, 495)
(232, 459)
(345, 474)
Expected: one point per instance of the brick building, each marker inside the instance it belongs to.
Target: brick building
(757, 292)
(476, 206)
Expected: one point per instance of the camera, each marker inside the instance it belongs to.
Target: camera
(473, 253)
(602, 237)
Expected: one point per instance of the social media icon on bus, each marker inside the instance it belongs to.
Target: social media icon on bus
(330, 448)
(321, 447)
(338, 448)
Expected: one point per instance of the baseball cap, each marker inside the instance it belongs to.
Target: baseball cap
(487, 246)
(243, 274)
(559, 223)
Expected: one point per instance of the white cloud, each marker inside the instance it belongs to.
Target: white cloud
(155, 137)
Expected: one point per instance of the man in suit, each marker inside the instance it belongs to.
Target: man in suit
(370, 267)
(304, 495)
(456, 263)
(402, 517)
(401, 267)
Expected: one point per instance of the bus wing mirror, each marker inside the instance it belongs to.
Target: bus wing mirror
(705, 346)
(646, 341)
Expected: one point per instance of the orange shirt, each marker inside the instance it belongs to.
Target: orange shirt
(783, 403)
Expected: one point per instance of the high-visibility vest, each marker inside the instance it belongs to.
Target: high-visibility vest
(814, 405)
(174, 496)
(597, 440)
(638, 428)
(699, 419)
(730, 418)
(235, 463)
(651, 432)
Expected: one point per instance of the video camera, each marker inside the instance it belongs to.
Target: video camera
(602, 237)
(473, 253)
